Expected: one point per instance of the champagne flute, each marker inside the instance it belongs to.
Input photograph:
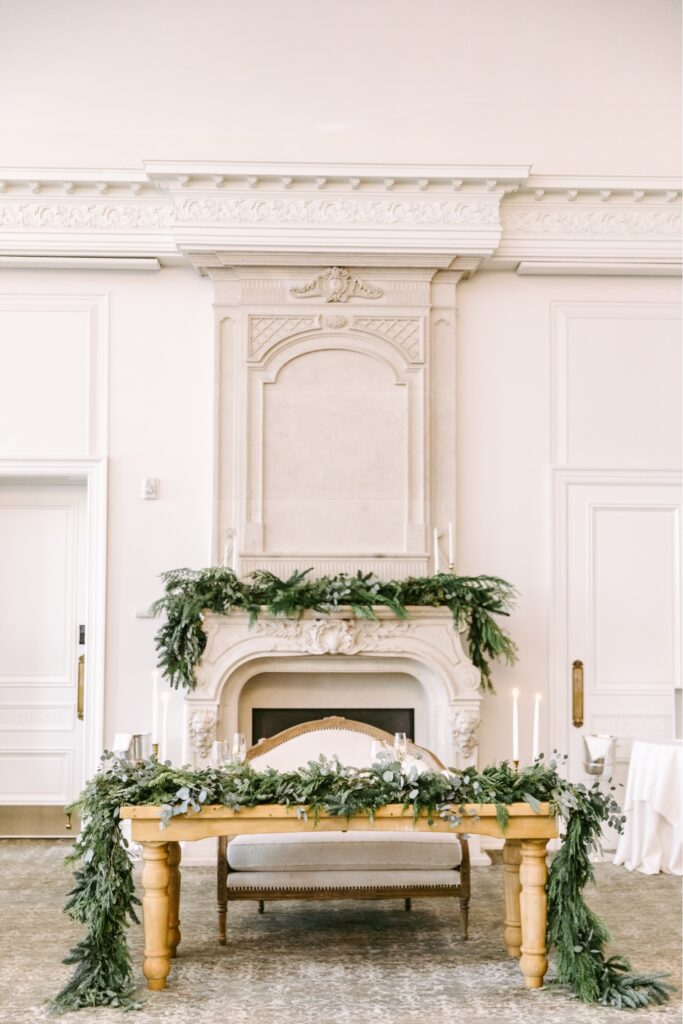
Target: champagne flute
(239, 746)
(220, 753)
(400, 744)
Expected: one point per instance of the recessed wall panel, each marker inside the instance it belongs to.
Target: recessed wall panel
(623, 390)
(36, 556)
(335, 474)
(634, 597)
(45, 383)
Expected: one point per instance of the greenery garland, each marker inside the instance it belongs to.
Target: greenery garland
(104, 900)
(472, 600)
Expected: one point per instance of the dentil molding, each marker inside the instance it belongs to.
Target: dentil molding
(217, 214)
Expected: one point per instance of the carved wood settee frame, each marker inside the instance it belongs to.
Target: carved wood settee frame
(225, 894)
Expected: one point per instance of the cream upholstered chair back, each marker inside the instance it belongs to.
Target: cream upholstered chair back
(344, 738)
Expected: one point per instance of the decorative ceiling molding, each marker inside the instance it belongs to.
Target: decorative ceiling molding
(217, 214)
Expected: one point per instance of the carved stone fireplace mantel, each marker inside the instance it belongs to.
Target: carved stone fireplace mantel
(424, 646)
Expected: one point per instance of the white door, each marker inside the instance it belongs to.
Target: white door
(623, 616)
(42, 610)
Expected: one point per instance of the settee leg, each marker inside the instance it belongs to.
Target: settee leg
(408, 904)
(261, 906)
(222, 889)
(464, 914)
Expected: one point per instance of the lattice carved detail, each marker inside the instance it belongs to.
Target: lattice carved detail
(267, 331)
(403, 331)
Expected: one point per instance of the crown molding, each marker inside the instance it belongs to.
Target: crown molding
(216, 214)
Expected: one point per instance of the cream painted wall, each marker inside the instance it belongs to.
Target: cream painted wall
(505, 409)
(160, 424)
(573, 86)
(580, 87)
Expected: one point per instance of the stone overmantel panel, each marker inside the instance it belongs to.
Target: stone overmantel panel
(406, 215)
(425, 645)
(346, 375)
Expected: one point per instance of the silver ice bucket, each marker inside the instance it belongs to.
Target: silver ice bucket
(599, 753)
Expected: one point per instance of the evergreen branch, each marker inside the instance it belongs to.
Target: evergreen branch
(472, 600)
(103, 898)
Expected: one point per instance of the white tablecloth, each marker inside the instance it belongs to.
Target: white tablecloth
(653, 804)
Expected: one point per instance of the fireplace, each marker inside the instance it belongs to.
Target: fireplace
(336, 664)
(266, 722)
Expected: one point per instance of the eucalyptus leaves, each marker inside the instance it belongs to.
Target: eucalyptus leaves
(103, 898)
(473, 601)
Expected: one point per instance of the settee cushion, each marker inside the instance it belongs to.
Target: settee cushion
(345, 851)
(260, 880)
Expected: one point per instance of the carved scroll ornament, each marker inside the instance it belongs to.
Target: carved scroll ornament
(331, 636)
(202, 730)
(336, 284)
(465, 722)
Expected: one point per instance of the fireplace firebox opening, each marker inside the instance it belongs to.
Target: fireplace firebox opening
(266, 722)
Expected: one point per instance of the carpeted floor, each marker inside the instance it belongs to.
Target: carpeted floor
(328, 963)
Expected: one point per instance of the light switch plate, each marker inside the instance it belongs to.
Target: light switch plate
(149, 488)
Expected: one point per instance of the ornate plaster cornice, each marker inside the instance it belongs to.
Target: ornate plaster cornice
(592, 225)
(215, 213)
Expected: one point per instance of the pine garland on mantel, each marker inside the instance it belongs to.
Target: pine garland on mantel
(103, 898)
(189, 593)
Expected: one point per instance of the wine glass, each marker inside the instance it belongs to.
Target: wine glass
(376, 748)
(220, 753)
(400, 744)
(239, 746)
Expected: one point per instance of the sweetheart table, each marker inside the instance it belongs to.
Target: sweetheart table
(524, 854)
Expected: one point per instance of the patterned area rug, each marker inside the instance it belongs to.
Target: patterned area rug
(342, 963)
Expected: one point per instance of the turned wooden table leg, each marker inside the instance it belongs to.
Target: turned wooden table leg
(533, 874)
(173, 898)
(512, 856)
(155, 879)
(222, 888)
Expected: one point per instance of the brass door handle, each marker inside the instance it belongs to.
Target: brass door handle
(80, 697)
(577, 694)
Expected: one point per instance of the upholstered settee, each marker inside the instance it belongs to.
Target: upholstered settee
(339, 865)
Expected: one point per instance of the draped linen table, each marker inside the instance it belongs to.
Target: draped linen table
(652, 840)
(526, 873)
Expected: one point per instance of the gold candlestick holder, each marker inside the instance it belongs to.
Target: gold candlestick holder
(451, 567)
(515, 764)
(155, 750)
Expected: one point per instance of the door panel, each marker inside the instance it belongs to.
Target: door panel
(623, 611)
(42, 604)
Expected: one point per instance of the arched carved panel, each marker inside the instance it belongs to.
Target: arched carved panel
(335, 418)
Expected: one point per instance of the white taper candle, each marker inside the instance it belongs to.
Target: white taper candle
(234, 552)
(155, 707)
(537, 717)
(163, 746)
(515, 725)
(451, 545)
(436, 551)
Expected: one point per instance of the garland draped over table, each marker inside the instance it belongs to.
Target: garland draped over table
(473, 601)
(104, 899)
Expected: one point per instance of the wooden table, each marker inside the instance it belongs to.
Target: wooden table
(524, 855)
